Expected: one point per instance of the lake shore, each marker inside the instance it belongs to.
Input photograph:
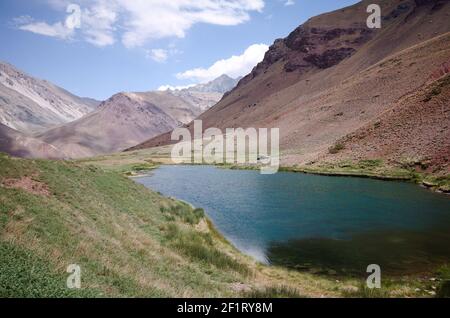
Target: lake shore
(419, 274)
(136, 162)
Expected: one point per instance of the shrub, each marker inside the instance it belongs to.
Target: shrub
(444, 290)
(336, 148)
(199, 246)
(184, 212)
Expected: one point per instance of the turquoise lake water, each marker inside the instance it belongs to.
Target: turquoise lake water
(308, 221)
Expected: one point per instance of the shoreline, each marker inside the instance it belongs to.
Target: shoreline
(421, 278)
(396, 286)
(416, 178)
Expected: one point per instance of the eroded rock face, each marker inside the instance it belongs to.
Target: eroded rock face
(435, 4)
(309, 47)
(329, 58)
(426, 2)
(306, 48)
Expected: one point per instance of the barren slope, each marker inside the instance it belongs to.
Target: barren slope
(121, 121)
(127, 119)
(415, 131)
(21, 145)
(333, 75)
(29, 105)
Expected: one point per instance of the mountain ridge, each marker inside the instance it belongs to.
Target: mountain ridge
(317, 93)
(29, 104)
(128, 118)
(44, 114)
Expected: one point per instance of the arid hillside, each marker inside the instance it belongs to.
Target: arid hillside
(414, 132)
(29, 105)
(121, 121)
(333, 76)
(127, 119)
(20, 145)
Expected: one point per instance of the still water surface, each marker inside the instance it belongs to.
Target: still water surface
(308, 221)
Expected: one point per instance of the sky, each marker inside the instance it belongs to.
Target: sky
(97, 48)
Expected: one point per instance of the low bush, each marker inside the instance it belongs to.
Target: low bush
(199, 246)
(336, 148)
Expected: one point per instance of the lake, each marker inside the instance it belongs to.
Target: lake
(321, 223)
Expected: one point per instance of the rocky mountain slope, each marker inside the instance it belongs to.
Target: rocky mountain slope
(30, 105)
(204, 96)
(119, 122)
(127, 119)
(76, 128)
(21, 145)
(333, 76)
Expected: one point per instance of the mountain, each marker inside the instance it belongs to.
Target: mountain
(21, 145)
(119, 122)
(127, 119)
(206, 95)
(334, 80)
(31, 105)
(222, 84)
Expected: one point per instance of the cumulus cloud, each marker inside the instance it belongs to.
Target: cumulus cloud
(156, 19)
(95, 22)
(57, 30)
(138, 21)
(158, 55)
(235, 66)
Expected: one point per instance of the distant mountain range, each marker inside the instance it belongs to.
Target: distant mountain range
(341, 92)
(204, 96)
(32, 105)
(46, 121)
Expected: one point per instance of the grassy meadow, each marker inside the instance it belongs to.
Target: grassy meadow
(132, 242)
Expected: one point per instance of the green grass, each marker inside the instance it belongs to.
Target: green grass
(24, 274)
(182, 211)
(200, 247)
(132, 242)
(375, 168)
(274, 292)
(110, 226)
(364, 292)
(443, 290)
(128, 240)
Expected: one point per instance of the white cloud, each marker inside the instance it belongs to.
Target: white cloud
(174, 88)
(142, 20)
(289, 3)
(96, 23)
(234, 66)
(162, 55)
(158, 55)
(57, 30)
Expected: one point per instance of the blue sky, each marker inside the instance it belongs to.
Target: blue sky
(102, 47)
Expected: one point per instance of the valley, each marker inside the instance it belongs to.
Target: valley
(363, 118)
(133, 242)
